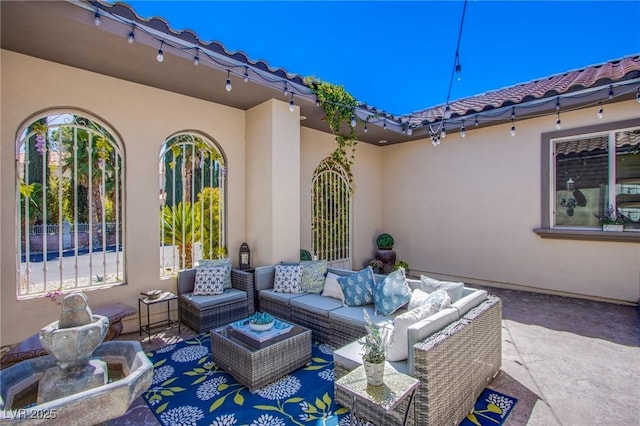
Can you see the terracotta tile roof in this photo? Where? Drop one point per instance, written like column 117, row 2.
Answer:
column 593, row 76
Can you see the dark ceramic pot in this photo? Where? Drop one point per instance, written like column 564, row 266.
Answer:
column 388, row 258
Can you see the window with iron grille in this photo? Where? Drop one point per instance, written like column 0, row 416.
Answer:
column 70, row 205
column 192, row 181
column 331, row 212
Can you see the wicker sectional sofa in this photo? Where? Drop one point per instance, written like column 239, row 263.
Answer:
column 454, row 353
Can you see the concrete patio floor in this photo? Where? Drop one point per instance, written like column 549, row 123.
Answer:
column 567, row 361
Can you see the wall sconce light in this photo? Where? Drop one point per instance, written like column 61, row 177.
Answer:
column 245, row 256
column 570, row 184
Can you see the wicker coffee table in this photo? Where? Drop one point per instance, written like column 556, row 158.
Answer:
column 255, row 367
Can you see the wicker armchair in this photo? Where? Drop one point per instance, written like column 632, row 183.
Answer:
column 202, row 313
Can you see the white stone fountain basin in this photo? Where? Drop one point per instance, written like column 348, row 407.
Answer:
column 89, row 407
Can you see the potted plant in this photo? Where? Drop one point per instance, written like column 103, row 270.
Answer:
column 612, row 220
column 376, row 265
column 385, row 252
column 261, row 321
column 374, row 347
column 401, row 264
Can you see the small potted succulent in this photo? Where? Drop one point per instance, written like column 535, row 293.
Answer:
column 376, row 265
column 374, row 349
column 261, row 321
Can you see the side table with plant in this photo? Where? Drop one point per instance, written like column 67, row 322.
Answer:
column 374, row 347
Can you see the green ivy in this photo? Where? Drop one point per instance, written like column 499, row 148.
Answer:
column 339, row 107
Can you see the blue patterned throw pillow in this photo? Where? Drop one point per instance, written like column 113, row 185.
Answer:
column 313, row 275
column 210, row 281
column 287, row 279
column 210, row 263
column 358, row 288
column 392, row 293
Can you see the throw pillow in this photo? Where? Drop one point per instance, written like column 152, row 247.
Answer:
column 332, row 288
column 439, row 298
column 287, row 279
column 398, row 349
column 418, row 298
column 454, row 289
column 209, row 281
column 313, row 272
column 358, row 288
column 209, row 263
column 392, row 293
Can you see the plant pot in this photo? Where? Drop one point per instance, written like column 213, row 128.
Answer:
column 612, row 227
column 374, row 372
column 388, row 258
column 261, row 327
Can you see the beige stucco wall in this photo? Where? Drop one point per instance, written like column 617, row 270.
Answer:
column 315, row 147
column 273, row 182
column 143, row 117
column 467, row 209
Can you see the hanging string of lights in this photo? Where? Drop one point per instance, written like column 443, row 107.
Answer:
column 406, row 124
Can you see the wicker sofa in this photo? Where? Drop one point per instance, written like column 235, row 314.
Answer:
column 454, row 353
column 202, row 313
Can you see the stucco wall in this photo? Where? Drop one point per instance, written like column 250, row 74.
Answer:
column 315, row 147
column 467, row 209
column 143, row 117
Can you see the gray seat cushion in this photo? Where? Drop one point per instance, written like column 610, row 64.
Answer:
column 355, row 315
column 350, row 358
column 279, row 297
column 203, row 302
column 316, row 304
column 469, row 300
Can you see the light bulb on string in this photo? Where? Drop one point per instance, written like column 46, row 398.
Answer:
column 365, row 127
column 132, row 37
column 558, row 104
column 196, row 59
column 317, row 102
column 610, row 92
column 409, row 130
column 463, row 131
column 447, row 112
column 513, row 122
column 228, row 85
column 384, row 125
column 443, row 132
column 97, row 20
column 353, row 120
column 513, row 130
column 292, row 105
column 638, row 95
column 246, row 74
column 558, row 123
column 286, row 89
column 600, row 110
column 160, row 56
column 476, row 121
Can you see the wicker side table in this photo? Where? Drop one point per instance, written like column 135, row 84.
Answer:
column 257, row 367
column 387, row 404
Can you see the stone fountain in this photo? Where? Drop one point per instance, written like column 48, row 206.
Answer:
column 73, row 384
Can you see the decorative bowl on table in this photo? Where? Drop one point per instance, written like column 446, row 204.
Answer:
column 261, row 321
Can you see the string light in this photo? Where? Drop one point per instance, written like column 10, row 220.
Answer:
column 317, row 102
column 353, row 120
column 132, row 37
column 97, row 20
column 476, row 121
column 160, row 56
column 286, row 89
column 558, row 103
column 246, row 74
column 463, row 131
column 610, row 92
column 513, row 121
column 228, row 85
column 600, row 110
column 409, row 130
column 558, row 123
column 292, row 105
column 447, row 112
column 443, row 132
column 384, row 126
column 196, row 59
column 638, row 95
column 365, row 127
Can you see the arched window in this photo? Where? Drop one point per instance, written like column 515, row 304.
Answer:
column 331, row 213
column 70, row 204
column 192, row 225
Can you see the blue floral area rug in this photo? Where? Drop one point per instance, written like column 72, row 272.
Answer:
column 188, row 388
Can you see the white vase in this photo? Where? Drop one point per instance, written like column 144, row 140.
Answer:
column 612, row 227
column 374, row 372
column 261, row 327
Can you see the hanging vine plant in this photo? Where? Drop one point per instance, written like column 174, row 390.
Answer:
column 339, row 107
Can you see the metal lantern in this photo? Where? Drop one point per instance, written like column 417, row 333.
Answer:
column 245, row 256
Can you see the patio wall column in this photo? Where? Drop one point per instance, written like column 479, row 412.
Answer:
column 273, row 183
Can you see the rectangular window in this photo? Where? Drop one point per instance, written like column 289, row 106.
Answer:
column 592, row 173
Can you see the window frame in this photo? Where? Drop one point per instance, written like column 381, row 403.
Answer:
column 546, row 230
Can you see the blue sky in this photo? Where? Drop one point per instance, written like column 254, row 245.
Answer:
column 398, row 56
